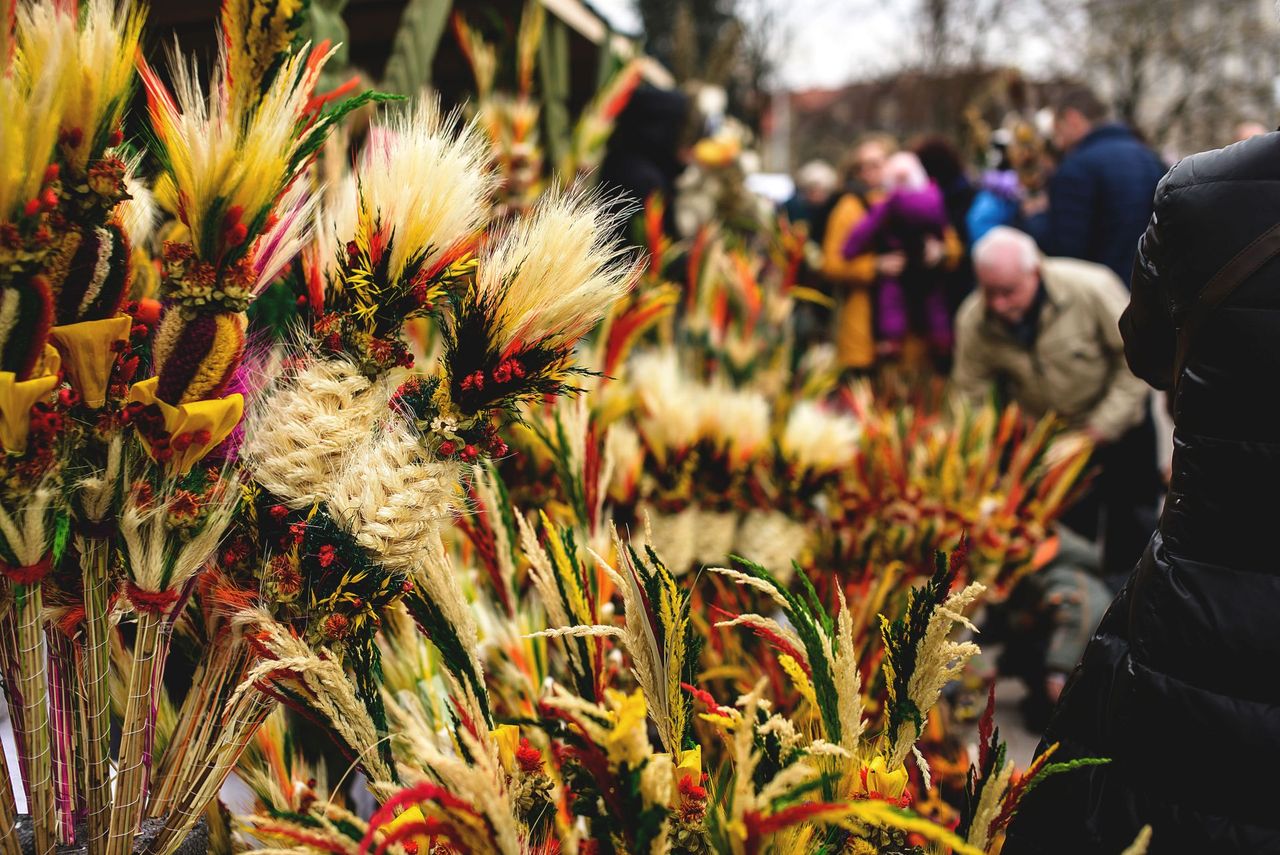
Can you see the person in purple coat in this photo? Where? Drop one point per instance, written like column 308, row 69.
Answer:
column 912, row 220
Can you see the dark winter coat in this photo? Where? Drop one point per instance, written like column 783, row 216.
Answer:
column 1180, row 685
column 1100, row 200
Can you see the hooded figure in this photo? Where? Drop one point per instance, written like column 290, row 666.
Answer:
column 1178, row 688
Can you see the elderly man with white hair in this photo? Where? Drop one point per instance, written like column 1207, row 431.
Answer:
column 1044, row 333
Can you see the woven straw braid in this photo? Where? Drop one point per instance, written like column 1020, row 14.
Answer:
column 393, row 498
column 295, row 444
column 773, row 540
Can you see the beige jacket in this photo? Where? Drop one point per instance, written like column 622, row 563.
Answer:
column 1076, row 368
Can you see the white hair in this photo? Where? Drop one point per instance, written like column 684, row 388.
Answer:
column 904, row 171
column 817, row 175
column 1003, row 239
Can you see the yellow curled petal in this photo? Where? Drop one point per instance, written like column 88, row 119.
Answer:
column 86, row 348
column 412, row 814
column 881, row 780
column 18, row 397
column 508, row 738
column 690, row 765
column 218, row 416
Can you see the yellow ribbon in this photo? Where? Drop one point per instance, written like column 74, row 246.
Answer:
column 17, row 397
column 86, row 349
column 218, row 416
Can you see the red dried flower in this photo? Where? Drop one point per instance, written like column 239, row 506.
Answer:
column 528, row 757
column 336, row 626
column 327, row 555
column 185, row 505
column 143, row 493
column 286, row 575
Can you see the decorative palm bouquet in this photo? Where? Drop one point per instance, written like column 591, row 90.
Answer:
column 115, row 500
column 337, row 528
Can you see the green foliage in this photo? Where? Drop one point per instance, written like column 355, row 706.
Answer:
column 812, row 625
column 1066, row 766
column 413, row 50
column 553, row 68
column 426, row 613
column 324, row 22
column 902, row 640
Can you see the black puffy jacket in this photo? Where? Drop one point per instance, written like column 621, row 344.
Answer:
column 1181, row 684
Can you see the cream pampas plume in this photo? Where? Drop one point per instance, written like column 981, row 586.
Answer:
column 734, row 422
column 554, row 274
column 424, row 179
column 670, row 416
column 399, row 235
column 817, row 440
column 920, row 657
column 139, row 214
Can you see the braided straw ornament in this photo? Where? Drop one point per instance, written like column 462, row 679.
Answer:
column 773, row 540
column 296, row 443
column 714, row 535
column 393, row 498
column 672, row 536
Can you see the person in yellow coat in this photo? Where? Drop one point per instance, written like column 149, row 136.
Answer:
column 852, row 279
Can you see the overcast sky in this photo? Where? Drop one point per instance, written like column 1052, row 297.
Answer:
column 828, row 45
column 831, row 43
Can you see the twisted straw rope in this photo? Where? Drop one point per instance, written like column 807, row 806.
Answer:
column 296, row 442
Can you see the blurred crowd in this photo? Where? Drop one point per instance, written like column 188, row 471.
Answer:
column 1008, row 277
column 1011, row 280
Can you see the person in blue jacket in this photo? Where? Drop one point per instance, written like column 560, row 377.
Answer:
column 1100, row 198
column 998, row 201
